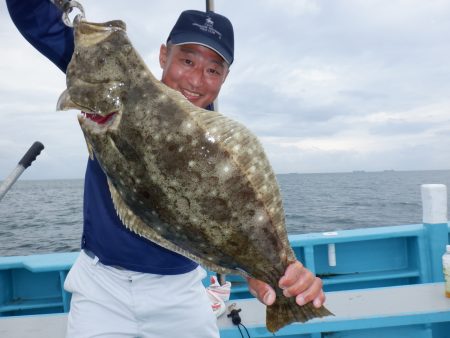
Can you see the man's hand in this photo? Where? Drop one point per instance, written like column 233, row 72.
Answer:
column 297, row 282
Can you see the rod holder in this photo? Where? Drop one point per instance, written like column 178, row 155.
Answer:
column 434, row 203
column 331, row 254
column 435, row 223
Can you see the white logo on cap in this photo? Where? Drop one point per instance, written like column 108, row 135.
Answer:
column 208, row 27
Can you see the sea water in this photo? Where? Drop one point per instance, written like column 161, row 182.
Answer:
column 46, row 216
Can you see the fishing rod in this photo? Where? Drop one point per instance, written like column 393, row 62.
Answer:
column 24, row 163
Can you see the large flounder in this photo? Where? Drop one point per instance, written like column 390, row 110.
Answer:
column 191, row 180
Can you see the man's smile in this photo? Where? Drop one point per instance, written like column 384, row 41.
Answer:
column 190, row 95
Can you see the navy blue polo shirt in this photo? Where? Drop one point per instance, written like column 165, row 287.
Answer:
column 39, row 21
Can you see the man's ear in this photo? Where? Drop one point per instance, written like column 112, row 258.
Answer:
column 163, row 55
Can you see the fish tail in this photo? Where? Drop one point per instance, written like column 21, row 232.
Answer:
column 286, row 311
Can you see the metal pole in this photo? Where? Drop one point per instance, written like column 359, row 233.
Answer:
column 210, row 5
column 24, row 163
column 210, row 8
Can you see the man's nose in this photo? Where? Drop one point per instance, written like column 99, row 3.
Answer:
column 196, row 77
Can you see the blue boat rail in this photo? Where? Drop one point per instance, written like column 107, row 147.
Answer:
column 391, row 256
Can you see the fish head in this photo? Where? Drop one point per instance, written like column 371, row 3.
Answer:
column 97, row 76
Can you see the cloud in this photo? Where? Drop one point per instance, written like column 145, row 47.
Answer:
column 326, row 85
column 295, row 9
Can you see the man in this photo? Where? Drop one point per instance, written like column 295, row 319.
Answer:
column 123, row 285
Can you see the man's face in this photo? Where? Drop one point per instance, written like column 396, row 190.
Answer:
column 195, row 71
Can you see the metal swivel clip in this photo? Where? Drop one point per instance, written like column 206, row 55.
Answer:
column 66, row 6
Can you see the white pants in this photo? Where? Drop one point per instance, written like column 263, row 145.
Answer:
column 113, row 303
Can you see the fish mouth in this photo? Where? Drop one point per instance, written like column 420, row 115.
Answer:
column 87, row 114
column 98, row 118
column 98, row 123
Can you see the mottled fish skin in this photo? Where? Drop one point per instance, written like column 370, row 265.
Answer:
column 191, row 180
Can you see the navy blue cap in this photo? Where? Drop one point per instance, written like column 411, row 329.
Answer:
column 209, row 29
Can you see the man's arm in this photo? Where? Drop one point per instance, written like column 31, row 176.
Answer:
column 39, row 21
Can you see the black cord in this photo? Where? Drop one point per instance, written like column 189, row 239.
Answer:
column 248, row 334
column 240, row 331
column 242, row 335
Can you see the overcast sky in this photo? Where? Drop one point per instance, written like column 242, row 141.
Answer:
column 328, row 86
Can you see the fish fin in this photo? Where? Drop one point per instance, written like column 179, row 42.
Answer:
column 135, row 224
column 65, row 102
column 286, row 311
column 88, row 144
column 90, row 150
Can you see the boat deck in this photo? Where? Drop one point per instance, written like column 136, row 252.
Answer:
column 357, row 310
column 402, row 311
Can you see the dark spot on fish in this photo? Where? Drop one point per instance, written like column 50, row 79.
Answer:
column 144, row 194
column 126, row 149
column 124, row 99
column 211, row 181
column 194, row 176
column 183, row 203
column 246, row 194
column 233, row 181
column 250, row 213
column 215, row 208
column 171, row 163
column 270, row 236
column 233, row 243
column 171, row 190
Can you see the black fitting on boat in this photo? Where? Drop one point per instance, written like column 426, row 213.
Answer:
column 235, row 318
